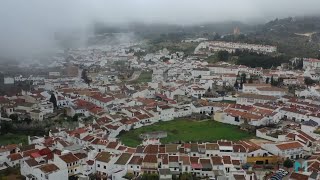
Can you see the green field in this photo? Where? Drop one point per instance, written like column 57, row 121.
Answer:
column 187, row 130
column 13, row 139
column 145, row 76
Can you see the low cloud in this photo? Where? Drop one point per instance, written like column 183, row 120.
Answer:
column 29, row 27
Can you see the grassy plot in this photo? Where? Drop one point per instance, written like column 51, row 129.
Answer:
column 187, row 130
column 145, row 76
column 13, row 139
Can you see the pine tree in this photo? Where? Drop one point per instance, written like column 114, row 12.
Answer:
column 272, row 81
column 236, row 84
column 244, row 78
column 267, row 80
column 54, row 101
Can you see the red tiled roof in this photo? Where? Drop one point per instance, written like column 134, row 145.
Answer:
column 48, row 168
column 226, row 159
column 239, row 148
column 69, row 158
column 15, row 156
column 306, row 135
column 29, row 152
column 112, row 145
column 149, row 158
column 297, row 176
column 151, row 149
column 88, row 138
column 136, row 160
column 216, row 160
column 90, row 162
column 289, row 145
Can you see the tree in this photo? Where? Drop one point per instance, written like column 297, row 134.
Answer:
column 6, row 127
column 267, row 80
column 217, row 36
column 223, row 55
column 129, row 176
column 27, row 120
column 241, row 85
column 252, row 59
column 75, row 117
column 236, row 85
column 84, row 76
column 186, row 176
column 288, row 163
column 250, row 80
column 299, row 64
column 292, row 89
column 280, row 81
column 146, row 176
column 308, row 81
column 53, row 99
column 14, row 117
column 244, row 77
column 209, row 89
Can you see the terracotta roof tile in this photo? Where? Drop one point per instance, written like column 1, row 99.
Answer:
column 149, row 158
column 15, row 156
column 136, row 160
column 289, row 145
column 48, row 168
column 69, row 158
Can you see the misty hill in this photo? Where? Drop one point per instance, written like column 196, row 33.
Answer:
column 293, row 25
column 295, row 37
column 158, row 28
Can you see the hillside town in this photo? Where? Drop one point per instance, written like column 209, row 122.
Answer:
column 90, row 97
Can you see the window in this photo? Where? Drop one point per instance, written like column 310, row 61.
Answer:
column 98, row 165
column 105, row 167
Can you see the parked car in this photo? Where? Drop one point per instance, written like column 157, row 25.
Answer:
column 282, row 172
column 306, row 157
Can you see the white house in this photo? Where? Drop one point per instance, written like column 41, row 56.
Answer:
column 103, row 163
column 311, row 63
column 250, row 99
column 49, row 172
column 271, row 91
column 199, row 72
column 134, row 165
column 36, row 115
column 69, row 162
column 289, row 149
column 252, row 88
column 166, row 112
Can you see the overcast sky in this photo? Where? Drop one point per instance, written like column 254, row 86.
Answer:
column 28, row 25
